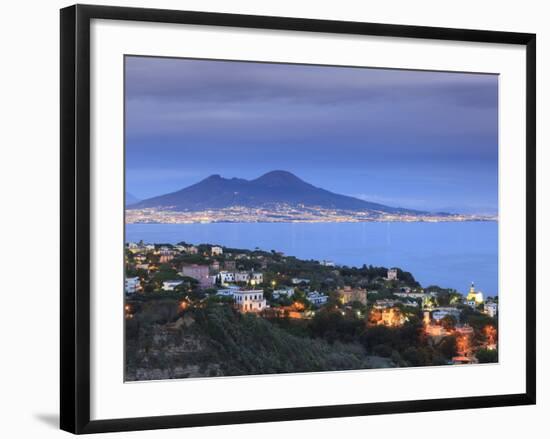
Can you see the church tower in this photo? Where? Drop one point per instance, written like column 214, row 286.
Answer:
column 474, row 295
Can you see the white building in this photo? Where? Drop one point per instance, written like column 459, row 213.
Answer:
column 258, row 278
column 250, row 300
column 327, row 263
column 439, row 313
column 299, row 280
column 133, row 247
column 287, row 292
column 166, row 251
column 132, row 285
column 384, row 303
column 491, row 309
column 410, row 303
column 390, row 303
column 166, row 255
column 226, row 277
column 169, row 285
column 392, row 274
column 216, row 251
column 242, row 276
column 228, row 291
column 316, row 298
column 471, row 303
column 411, row 295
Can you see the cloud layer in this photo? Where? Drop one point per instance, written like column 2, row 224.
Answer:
column 235, row 118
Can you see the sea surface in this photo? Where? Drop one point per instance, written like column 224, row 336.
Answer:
column 448, row 254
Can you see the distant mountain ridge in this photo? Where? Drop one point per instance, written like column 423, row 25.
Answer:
column 275, row 187
column 131, row 199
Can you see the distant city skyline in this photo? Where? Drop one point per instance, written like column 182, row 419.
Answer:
column 422, row 140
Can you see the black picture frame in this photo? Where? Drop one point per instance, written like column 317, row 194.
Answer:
column 75, row 217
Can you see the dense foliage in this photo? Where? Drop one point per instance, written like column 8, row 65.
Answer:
column 221, row 341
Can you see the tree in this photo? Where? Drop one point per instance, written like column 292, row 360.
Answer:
column 215, row 299
column 187, row 284
column 166, row 273
column 448, row 322
column 377, row 335
column 300, row 296
column 332, row 325
column 479, row 321
column 487, row 355
column 447, row 346
column 383, row 350
column 414, row 356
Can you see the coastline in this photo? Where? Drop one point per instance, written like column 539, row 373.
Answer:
column 445, row 253
column 152, row 216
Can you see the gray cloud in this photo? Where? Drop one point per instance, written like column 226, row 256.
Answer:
column 225, row 81
column 224, row 117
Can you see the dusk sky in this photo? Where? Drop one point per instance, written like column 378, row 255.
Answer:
column 424, row 140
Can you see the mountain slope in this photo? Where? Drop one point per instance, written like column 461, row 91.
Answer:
column 275, row 187
column 131, row 199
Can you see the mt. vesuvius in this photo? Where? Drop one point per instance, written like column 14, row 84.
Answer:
column 273, row 188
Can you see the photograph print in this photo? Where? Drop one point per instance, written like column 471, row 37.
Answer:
column 295, row 218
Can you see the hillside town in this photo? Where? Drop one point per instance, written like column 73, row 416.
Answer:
column 285, row 213
column 383, row 314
